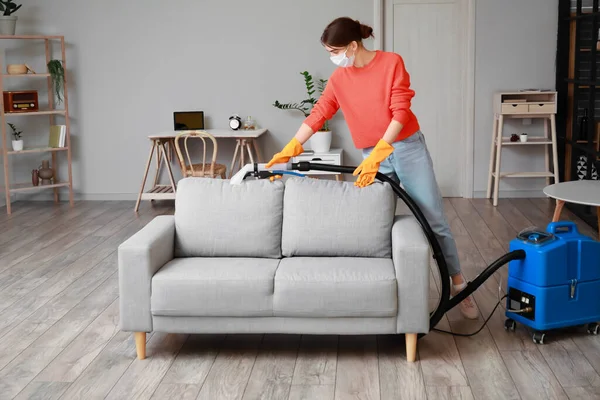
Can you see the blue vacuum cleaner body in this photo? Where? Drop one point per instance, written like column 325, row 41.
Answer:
column 557, row 284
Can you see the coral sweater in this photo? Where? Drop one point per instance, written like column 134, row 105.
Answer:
column 370, row 98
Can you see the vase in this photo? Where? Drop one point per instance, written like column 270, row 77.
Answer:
column 46, row 173
column 35, row 178
column 7, row 25
column 320, row 142
column 249, row 123
column 17, row 145
column 523, row 137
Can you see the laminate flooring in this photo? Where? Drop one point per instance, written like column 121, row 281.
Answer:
column 59, row 336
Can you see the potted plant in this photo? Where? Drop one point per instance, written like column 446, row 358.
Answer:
column 17, row 143
column 320, row 142
column 57, row 73
column 8, row 21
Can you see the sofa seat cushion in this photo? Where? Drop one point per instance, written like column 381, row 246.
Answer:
column 227, row 287
column 335, row 287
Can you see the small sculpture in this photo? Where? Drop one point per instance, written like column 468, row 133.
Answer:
column 35, row 178
column 46, row 173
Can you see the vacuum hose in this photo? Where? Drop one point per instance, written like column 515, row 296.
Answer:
column 446, row 303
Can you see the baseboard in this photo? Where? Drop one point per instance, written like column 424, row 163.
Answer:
column 479, row 194
column 78, row 197
column 511, row 194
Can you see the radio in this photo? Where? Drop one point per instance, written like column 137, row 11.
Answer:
column 21, row 101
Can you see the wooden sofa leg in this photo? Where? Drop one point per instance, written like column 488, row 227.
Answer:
column 140, row 344
column 411, row 347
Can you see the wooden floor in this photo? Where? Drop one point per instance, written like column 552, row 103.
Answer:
column 59, row 334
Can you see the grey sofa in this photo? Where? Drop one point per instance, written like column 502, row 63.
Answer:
column 303, row 256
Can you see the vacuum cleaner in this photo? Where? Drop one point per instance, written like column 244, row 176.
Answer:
column 554, row 276
column 557, row 285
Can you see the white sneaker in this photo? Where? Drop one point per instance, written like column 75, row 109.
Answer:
column 468, row 308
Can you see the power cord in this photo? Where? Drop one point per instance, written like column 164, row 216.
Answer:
column 482, row 326
column 523, row 310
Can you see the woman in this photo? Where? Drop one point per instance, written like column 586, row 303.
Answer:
column 373, row 90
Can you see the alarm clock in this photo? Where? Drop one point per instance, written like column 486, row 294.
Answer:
column 235, row 122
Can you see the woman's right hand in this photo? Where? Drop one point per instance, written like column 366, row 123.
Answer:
column 292, row 149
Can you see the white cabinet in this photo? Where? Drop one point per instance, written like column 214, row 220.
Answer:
column 332, row 157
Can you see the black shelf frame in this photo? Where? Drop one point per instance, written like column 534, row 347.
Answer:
column 580, row 159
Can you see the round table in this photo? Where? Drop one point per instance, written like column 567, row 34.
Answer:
column 586, row 192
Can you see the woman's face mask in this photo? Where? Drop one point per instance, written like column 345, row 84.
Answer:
column 342, row 60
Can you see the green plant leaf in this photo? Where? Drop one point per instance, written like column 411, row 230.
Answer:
column 57, row 73
column 8, row 7
column 322, row 84
column 303, row 106
column 15, row 132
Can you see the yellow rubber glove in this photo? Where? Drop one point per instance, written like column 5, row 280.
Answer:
column 292, row 149
column 370, row 165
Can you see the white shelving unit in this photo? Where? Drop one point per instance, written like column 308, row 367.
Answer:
column 521, row 105
column 6, row 149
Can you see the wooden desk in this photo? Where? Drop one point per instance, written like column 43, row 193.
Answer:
column 245, row 141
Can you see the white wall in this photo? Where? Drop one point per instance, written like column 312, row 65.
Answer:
column 133, row 63
column 515, row 49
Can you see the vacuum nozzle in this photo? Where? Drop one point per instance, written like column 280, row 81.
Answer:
column 256, row 168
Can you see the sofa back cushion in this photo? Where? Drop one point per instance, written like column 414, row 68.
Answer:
column 337, row 219
column 216, row 219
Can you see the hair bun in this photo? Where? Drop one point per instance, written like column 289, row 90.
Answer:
column 366, row 31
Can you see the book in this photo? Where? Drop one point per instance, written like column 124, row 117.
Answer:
column 58, row 135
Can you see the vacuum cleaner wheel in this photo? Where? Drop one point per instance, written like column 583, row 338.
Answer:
column 538, row 337
column 510, row 325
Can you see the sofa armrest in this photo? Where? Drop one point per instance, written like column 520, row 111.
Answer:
column 139, row 258
column 411, row 255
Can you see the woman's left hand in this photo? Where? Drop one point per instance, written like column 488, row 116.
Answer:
column 370, row 165
column 366, row 178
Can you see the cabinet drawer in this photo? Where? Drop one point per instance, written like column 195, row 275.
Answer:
column 514, row 108
column 542, row 108
column 332, row 159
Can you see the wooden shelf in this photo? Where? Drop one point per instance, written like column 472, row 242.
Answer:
column 583, row 15
column 64, row 179
column 522, row 105
column 57, row 37
column 525, row 175
column 41, row 112
column 25, row 75
column 508, row 101
column 530, row 141
column 37, row 150
column 159, row 192
column 25, row 187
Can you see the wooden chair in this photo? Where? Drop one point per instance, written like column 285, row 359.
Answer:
column 203, row 169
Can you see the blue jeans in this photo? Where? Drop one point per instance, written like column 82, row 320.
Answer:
column 410, row 164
